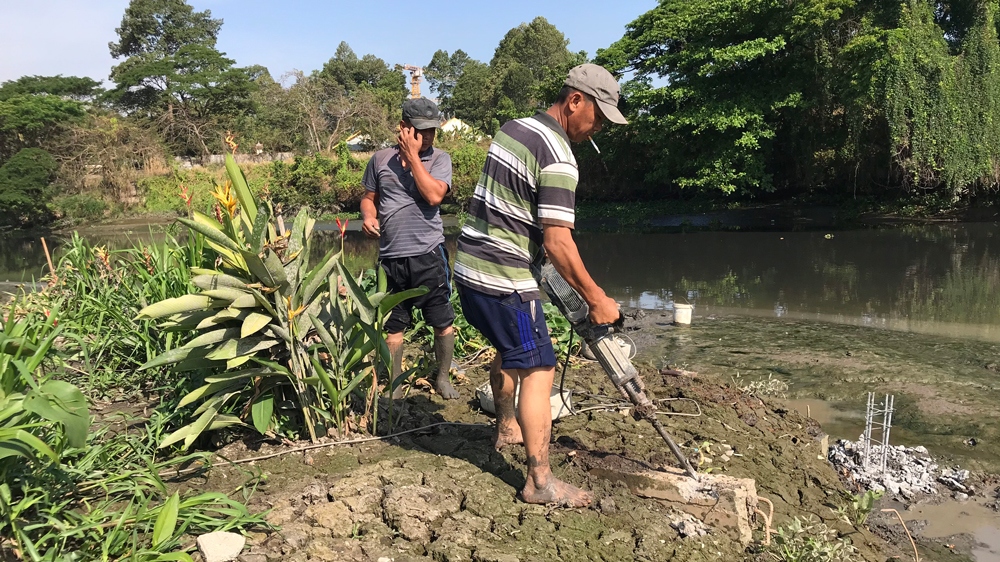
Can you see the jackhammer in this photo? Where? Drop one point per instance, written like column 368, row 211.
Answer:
column 609, row 354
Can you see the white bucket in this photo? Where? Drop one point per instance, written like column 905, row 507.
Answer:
column 559, row 409
column 682, row 314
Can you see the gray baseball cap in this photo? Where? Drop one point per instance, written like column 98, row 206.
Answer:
column 422, row 113
column 596, row 81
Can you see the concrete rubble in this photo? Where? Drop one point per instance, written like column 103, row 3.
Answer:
column 717, row 501
column 909, row 470
column 220, row 546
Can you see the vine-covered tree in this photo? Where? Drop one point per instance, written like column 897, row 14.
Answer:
column 811, row 95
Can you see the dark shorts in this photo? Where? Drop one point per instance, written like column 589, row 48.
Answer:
column 517, row 329
column 429, row 270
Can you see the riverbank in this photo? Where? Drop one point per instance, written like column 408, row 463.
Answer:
column 443, row 493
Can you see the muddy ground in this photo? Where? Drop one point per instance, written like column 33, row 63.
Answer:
column 444, row 494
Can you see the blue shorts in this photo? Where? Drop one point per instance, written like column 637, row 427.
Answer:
column 517, row 329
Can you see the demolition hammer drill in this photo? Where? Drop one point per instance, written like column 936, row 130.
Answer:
column 609, row 354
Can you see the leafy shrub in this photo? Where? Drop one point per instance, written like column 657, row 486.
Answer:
column 808, row 540
column 857, row 507
column 79, row 207
column 77, row 495
column 467, row 159
column 24, row 186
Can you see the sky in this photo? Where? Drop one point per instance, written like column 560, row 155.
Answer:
column 70, row 37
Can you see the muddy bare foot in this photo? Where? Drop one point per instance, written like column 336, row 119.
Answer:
column 507, row 435
column 556, row 492
column 443, row 387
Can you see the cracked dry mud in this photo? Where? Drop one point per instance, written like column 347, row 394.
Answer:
column 444, row 494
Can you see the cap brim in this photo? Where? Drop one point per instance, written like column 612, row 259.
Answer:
column 611, row 113
column 424, row 123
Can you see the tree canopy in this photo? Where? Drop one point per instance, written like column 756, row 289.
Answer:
column 527, row 69
column 443, row 72
column 173, row 74
column 74, row 87
column 811, row 95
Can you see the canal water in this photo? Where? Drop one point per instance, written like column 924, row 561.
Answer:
column 941, row 279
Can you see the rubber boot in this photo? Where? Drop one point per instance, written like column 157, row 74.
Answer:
column 397, row 369
column 444, row 350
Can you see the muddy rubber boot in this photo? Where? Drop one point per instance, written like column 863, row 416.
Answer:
column 397, row 368
column 444, row 350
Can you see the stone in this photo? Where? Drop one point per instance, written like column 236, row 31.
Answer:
column 221, row 546
column 717, row 500
column 334, row 516
column 961, row 497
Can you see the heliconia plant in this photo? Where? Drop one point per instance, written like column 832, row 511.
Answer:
column 263, row 317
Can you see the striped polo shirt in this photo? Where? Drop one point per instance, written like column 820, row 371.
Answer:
column 529, row 179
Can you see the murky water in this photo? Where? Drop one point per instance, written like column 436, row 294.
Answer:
column 940, row 279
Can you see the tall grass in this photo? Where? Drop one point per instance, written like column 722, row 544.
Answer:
column 70, row 494
column 100, row 292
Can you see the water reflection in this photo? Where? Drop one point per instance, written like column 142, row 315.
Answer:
column 942, row 279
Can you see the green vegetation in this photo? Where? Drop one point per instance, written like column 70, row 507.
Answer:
column 24, row 186
column 881, row 106
column 808, row 540
column 861, row 98
column 79, row 494
column 856, row 508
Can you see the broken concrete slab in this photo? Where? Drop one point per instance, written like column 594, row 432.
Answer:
column 220, row 546
column 721, row 502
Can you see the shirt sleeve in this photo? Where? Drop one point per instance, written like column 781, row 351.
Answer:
column 370, row 179
column 441, row 168
column 557, row 194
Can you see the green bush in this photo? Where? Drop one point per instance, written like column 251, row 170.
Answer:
column 809, row 540
column 24, row 186
column 467, row 159
column 79, row 207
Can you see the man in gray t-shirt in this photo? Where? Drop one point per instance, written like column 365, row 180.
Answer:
column 404, row 186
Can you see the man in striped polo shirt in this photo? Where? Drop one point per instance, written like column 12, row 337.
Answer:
column 404, row 187
column 523, row 209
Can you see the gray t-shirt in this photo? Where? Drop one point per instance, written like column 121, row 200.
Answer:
column 409, row 226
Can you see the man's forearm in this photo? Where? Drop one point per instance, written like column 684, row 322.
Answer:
column 564, row 255
column 431, row 189
column 368, row 209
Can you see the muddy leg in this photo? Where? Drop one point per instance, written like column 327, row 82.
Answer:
column 444, row 350
column 535, row 417
column 504, row 385
column 395, row 344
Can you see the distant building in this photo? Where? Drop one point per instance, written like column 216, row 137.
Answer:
column 359, row 142
column 456, row 125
